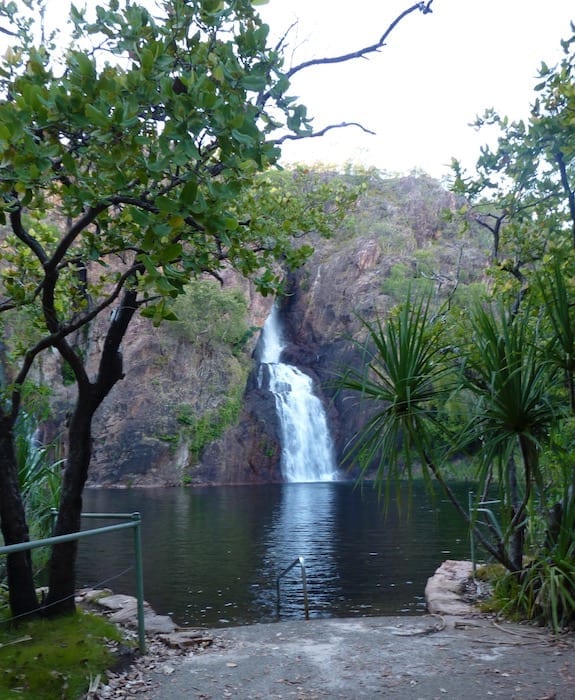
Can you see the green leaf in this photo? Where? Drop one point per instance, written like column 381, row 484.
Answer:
column 85, row 65
column 166, row 205
column 253, row 82
column 95, row 116
column 170, row 252
column 242, row 138
column 189, row 192
column 147, row 60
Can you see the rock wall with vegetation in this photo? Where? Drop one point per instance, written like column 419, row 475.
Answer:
column 189, row 410
column 404, row 234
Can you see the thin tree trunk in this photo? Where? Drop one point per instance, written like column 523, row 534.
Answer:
column 516, row 536
column 498, row 551
column 62, row 570
column 21, row 590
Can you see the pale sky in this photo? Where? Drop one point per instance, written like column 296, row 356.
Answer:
column 419, row 93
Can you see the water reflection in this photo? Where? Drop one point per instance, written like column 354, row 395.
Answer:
column 304, row 525
column 212, row 555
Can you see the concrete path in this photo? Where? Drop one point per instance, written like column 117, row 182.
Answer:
column 430, row 657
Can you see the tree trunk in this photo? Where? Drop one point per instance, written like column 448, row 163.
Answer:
column 21, row 590
column 62, row 571
column 517, row 534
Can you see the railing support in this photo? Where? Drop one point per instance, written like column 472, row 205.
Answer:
column 479, row 508
column 139, row 581
column 301, row 562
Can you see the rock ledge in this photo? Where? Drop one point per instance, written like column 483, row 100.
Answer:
column 448, row 591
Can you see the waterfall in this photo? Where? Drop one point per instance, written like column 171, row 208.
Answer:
column 307, row 449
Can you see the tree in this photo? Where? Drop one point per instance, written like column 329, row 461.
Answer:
column 130, row 165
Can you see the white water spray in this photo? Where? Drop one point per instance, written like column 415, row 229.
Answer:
column 307, row 449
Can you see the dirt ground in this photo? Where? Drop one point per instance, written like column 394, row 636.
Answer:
column 429, row 657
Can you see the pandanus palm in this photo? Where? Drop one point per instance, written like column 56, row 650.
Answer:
column 512, row 381
column 413, row 368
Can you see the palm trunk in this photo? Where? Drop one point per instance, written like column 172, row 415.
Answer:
column 517, row 534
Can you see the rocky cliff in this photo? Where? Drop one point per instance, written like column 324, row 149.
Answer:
column 190, row 410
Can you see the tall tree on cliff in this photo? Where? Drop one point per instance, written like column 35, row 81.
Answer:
column 129, row 162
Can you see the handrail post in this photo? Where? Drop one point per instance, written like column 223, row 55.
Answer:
column 295, row 562
column 473, row 510
column 304, row 585
column 471, row 537
column 137, row 518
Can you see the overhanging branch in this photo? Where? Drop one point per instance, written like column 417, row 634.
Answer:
column 321, row 132
column 424, row 7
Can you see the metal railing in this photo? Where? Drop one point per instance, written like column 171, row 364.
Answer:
column 135, row 523
column 301, row 562
column 475, row 508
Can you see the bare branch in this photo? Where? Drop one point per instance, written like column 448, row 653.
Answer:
column 28, row 240
column 321, row 132
column 83, row 222
column 424, row 7
column 3, row 30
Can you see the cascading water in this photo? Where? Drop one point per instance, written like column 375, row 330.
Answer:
column 307, row 449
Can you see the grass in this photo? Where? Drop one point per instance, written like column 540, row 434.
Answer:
column 54, row 659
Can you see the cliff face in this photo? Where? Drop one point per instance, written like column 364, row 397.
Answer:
column 172, row 419
column 397, row 238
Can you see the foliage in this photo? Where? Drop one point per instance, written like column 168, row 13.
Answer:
column 517, row 366
column 210, row 315
column 39, row 476
column 401, row 280
column 40, row 481
column 73, row 650
column 130, row 155
column 404, row 377
column 544, row 591
column 415, row 366
column 522, row 191
column 200, row 431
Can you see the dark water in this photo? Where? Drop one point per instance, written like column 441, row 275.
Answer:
column 211, row 556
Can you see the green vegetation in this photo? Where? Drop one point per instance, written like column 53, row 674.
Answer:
column 40, row 480
column 39, row 475
column 136, row 153
column 54, row 659
column 200, row 431
column 497, row 383
column 211, row 316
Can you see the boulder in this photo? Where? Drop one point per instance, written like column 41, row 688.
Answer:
column 444, row 590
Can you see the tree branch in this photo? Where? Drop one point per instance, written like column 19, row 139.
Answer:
column 28, row 240
column 424, row 7
column 74, row 231
column 321, row 132
column 568, row 191
column 3, row 30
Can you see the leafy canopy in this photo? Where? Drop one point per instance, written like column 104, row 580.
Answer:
column 129, row 154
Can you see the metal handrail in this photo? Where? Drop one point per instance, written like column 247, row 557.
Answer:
column 135, row 523
column 480, row 508
column 295, row 562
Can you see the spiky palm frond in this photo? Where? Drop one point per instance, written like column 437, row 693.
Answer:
column 511, row 380
column 406, row 379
